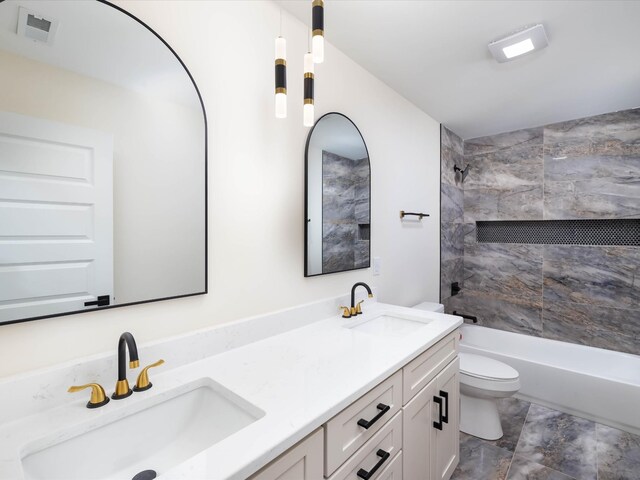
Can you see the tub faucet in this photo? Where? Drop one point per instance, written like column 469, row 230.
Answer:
column 122, row 385
column 356, row 309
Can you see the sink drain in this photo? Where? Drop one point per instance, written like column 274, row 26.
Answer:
column 145, row 475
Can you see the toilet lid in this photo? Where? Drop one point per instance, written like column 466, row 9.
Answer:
column 485, row 367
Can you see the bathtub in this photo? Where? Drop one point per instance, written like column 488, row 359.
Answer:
column 601, row 385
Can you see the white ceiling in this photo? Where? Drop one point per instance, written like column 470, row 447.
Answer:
column 435, row 54
column 98, row 41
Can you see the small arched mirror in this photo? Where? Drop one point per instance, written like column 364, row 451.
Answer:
column 338, row 197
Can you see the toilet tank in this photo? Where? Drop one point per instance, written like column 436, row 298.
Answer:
column 430, row 307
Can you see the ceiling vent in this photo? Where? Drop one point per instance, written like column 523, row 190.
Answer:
column 39, row 28
column 516, row 44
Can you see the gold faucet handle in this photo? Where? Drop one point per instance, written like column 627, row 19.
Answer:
column 143, row 382
column 358, row 307
column 346, row 312
column 98, row 396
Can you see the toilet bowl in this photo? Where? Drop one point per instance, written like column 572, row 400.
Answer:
column 483, row 381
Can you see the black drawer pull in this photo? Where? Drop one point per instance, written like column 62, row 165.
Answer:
column 101, row 301
column 367, row 424
column 362, row 473
column 438, row 424
column 445, row 415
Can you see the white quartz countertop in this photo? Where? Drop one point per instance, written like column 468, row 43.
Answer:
column 300, row 379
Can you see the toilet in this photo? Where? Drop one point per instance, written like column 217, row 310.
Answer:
column 483, row 381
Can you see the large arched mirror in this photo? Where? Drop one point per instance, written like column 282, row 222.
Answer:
column 338, row 197
column 102, row 162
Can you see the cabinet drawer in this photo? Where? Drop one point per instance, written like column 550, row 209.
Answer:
column 343, row 434
column 394, row 470
column 423, row 369
column 379, row 450
column 301, row 462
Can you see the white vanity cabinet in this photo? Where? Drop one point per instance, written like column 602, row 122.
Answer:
column 407, row 427
column 431, row 428
column 302, row 462
column 355, row 425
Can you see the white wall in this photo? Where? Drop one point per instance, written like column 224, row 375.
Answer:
column 256, row 205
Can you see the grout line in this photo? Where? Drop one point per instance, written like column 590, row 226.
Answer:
column 544, row 246
column 597, row 466
column 518, row 442
column 510, row 464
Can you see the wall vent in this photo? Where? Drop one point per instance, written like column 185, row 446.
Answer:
column 561, row 232
column 37, row 27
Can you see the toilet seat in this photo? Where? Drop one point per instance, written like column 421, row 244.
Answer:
column 486, row 368
column 487, row 377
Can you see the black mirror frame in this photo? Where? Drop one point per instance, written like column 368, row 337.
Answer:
column 206, row 192
column 306, row 198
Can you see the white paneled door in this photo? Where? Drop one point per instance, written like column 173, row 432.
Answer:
column 56, row 217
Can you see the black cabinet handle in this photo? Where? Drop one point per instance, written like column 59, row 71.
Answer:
column 367, row 424
column 438, row 424
column 362, row 473
column 445, row 416
column 102, row 301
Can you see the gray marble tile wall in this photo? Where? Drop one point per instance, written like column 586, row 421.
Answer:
column 580, row 169
column 592, row 167
column 451, row 213
column 345, row 206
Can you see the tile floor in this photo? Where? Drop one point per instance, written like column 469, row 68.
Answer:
column 543, row 444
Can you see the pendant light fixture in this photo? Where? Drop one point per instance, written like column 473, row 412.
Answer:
column 281, row 74
column 317, row 25
column 308, row 113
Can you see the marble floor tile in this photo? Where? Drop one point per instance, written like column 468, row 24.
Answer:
column 552, row 446
column 481, row 460
column 559, row 441
column 513, row 413
column 618, row 454
column 522, row 469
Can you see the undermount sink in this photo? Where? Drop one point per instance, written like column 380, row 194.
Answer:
column 154, row 438
column 386, row 324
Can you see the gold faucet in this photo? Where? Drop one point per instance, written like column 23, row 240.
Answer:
column 98, row 396
column 143, row 382
column 346, row 311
